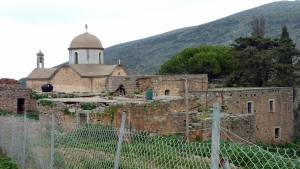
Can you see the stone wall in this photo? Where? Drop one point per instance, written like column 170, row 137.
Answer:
column 272, row 126
column 9, row 100
column 67, row 80
column 36, row 85
column 153, row 117
column 10, row 86
column 160, row 84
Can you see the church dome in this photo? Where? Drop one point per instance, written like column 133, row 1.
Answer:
column 86, row 41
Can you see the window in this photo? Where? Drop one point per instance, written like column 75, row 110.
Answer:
column 250, row 106
column 100, row 58
column 277, row 132
column 76, row 58
column 167, row 92
column 271, row 105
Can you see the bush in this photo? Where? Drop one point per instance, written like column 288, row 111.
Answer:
column 5, row 112
column 88, row 106
column 32, row 114
column 6, row 163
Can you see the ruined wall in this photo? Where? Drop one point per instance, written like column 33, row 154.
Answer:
column 158, row 83
column 10, row 86
column 9, row 100
column 236, row 101
column 243, row 126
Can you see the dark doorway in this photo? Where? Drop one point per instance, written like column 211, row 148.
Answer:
column 167, row 92
column 21, row 102
column 122, row 90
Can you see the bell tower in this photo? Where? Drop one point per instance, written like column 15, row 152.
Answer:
column 40, row 59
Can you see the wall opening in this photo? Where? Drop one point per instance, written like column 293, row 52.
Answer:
column 21, row 103
column 76, row 58
column 100, row 58
column 121, row 89
column 277, row 132
column 271, row 105
column 167, row 92
column 250, row 107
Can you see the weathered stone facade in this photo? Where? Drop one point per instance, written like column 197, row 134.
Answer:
column 153, row 117
column 272, row 108
column 171, row 85
column 16, row 100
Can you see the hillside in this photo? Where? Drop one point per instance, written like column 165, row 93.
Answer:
column 145, row 56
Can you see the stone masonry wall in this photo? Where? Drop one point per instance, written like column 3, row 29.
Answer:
column 242, row 126
column 235, row 101
column 9, row 100
column 158, row 83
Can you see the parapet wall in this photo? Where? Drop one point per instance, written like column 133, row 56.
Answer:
column 160, row 84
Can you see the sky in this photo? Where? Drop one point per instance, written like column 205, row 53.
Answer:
column 32, row 25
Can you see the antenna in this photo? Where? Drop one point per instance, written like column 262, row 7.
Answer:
column 86, row 28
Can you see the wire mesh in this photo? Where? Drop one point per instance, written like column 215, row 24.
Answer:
column 94, row 146
column 250, row 155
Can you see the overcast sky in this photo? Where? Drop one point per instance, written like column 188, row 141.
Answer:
column 33, row 25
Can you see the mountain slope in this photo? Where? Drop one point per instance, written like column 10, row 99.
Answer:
column 145, row 56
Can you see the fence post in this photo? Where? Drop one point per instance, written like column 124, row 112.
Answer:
column 120, row 140
column 215, row 146
column 2, row 136
column 225, row 163
column 12, row 136
column 24, row 142
column 52, row 142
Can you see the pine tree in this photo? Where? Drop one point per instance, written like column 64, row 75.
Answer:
column 287, row 62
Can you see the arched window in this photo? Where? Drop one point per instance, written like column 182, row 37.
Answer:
column 100, row 58
column 76, row 58
column 167, row 92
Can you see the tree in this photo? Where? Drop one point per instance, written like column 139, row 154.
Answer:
column 287, row 63
column 255, row 54
column 215, row 61
column 258, row 26
column 265, row 61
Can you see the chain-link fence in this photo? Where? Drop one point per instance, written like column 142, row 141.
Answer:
column 35, row 144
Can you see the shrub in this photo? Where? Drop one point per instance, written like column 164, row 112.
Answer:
column 5, row 112
column 88, row 106
column 32, row 114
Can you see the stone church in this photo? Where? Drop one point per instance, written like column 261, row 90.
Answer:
column 85, row 72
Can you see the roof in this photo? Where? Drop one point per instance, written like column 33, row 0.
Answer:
column 86, row 41
column 93, row 70
column 41, row 73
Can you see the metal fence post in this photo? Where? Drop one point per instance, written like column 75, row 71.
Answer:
column 12, row 136
column 215, row 146
column 120, row 140
column 24, row 142
column 52, row 143
column 2, row 136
